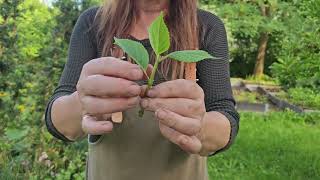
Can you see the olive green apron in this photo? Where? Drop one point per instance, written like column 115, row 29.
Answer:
column 136, row 150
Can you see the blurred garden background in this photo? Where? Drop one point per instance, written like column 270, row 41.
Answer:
column 275, row 67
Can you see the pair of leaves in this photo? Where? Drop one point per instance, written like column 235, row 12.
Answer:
column 160, row 41
column 159, row 38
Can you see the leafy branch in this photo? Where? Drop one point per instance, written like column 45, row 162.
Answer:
column 159, row 37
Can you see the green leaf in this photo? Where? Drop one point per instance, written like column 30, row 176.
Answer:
column 159, row 35
column 135, row 50
column 16, row 134
column 190, row 55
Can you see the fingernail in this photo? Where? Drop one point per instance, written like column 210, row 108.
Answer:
column 151, row 93
column 161, row 114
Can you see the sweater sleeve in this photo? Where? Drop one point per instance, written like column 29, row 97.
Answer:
column 214, row 75
column 82, row 48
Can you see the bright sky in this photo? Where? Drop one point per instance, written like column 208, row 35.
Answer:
column 48, row 2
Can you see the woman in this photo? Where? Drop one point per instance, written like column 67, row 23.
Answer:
column 184, row 122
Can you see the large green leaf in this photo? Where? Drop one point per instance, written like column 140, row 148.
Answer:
column 16, row 134
column 190, row 55
column 135, row 50
column 159, row 35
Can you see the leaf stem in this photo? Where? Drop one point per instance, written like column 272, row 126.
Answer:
column 151, row 80
column 154, row 70
column 145, row 73
column 163, row 58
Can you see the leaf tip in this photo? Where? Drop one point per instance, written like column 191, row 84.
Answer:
column 115, row 40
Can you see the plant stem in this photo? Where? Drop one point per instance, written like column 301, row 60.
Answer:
column 151, row 80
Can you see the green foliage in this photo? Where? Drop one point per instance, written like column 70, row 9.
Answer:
column 263, row 80
column 34, row 33
column 298, row 63
column 250, row 97
column 245, row 23
column 159, row 35
column 303, row 97
column 190, row 55
column 16, row 134
column 160, row 41
column 292, row 49
column 135, row 50
column 33, row 48
column 271, row 146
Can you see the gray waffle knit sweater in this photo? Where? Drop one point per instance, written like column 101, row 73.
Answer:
column 213, row 75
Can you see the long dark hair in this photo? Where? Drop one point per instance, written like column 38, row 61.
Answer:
column 116, row 18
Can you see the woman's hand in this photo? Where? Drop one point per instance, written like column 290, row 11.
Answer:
column 106, row 86
column 179, row 107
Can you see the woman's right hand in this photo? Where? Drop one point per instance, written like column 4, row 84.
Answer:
column 106, row 85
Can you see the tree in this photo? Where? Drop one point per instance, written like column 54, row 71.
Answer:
column 34, row 41
column 252, row 25
column 298, row 61
column 263, row 42
column 8, row 35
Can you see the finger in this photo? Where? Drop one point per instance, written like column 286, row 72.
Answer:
column 106, row 86
column 184, row 125
column 110, row 66
column 148, row 71
column 103, row 117
column 180, row 88
column 187, row 143
column 186, row 107
column 143, row 91
column 95, row 106
column 92, row 126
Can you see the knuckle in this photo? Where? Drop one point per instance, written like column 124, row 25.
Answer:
column 190, row 107
column 156, row 104
column 79, row 87
column 131, row 102
column 162, row 130
column 201, row 91
column 200, row 88
column 110, row 61
column 199, row 107
column 181, row 82
column 122, row 84
column 88, row 66
column 183, row 140
column 89, row 105
column 196, row 128
column 193, row 87
column 172, row 122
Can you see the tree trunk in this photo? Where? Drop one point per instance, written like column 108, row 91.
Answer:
column 264, row 36
column 259, row 67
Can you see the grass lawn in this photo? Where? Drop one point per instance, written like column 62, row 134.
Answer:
column 272, row 146
column 278, row 145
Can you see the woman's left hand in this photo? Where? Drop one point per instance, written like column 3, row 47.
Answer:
column 179, row 106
